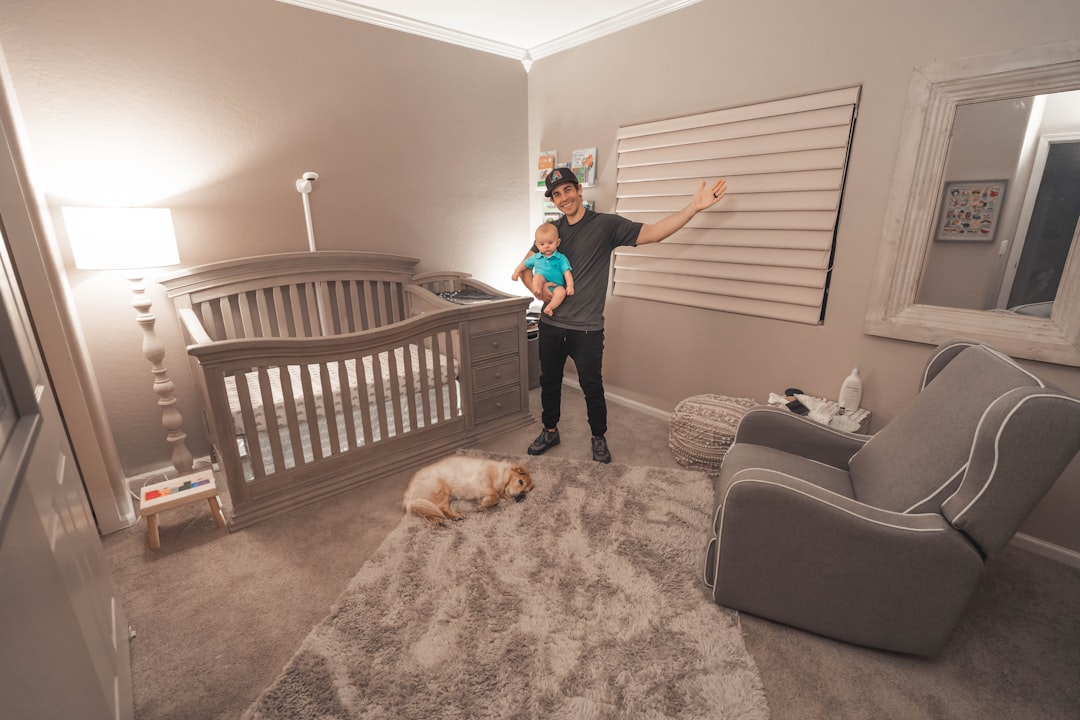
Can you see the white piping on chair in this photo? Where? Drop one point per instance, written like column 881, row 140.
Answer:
column 1006, row 358
column 997, row 446
column 735, row 481
column 936, row 355
column 939, row 488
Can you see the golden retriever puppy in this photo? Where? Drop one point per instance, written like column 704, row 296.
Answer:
column 463, row 478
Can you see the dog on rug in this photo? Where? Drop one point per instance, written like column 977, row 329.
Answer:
column 464, row 478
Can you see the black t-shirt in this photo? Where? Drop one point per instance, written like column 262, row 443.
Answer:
column 588, row 245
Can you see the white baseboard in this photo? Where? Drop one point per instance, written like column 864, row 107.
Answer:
column 1047, row 550
column 615, row 397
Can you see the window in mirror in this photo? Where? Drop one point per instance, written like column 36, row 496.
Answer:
column 1015, row 117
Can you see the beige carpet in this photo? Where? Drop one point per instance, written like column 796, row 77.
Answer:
column 576, row 603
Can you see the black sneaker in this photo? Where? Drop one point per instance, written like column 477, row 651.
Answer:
column 546, row 440
column 600, row 452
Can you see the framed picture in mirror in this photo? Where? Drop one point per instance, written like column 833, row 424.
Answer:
column 970, row 210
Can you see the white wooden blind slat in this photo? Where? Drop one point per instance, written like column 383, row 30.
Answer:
column 697, row 257
column 731, row 288
column 831, row 137
column 796, row 220
column 793, row 239
column 802, row 103
column 751, row 202
column 723, row 303
column 826, row 117
column 795, row 276
column 827, row 159
column 805, row 180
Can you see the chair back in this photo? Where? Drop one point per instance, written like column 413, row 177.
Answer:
column 982, row 443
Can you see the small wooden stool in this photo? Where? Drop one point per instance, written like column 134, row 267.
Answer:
column 174, row 493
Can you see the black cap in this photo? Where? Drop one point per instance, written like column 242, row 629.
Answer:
column 558, row 176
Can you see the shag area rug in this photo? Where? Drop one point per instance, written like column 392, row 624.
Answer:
column 583, row 601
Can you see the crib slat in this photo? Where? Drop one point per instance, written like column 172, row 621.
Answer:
column 331, row 411
column 291, row 417
column 250, row 431
column 346, row 391
column 436, row 352
column 263, row 305
column 249, row 320
column 410, row 384
column 396, row 302
column 221, row 330
column 356, row 322
column 395, row 389
column 369, row 305
column 237, row 317
column 312, row 417
column 276, row 309
column 451, row 374
column 338, row 311
column 380, row 395
column 270, row 417
column 425, row 379
column 365, row 400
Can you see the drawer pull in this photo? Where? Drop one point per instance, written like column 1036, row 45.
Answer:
column 494, row 343
column 498, row 406
column 498, row 376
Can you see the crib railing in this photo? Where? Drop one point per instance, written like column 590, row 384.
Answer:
column 307, row 309
column 294, row 405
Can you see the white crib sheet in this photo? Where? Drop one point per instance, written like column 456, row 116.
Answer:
column 431, row 369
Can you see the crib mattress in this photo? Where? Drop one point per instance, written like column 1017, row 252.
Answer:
column 424, row 378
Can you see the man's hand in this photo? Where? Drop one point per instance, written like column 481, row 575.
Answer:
column 706, row 197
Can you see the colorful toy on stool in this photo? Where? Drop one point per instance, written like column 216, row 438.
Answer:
column 174, row 493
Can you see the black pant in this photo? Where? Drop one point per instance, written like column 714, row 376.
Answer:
column 586, row 347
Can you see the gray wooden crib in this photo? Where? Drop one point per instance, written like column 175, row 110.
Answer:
column 320, row 371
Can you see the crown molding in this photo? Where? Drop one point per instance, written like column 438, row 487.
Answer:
column 633, row 17
column 354, row 11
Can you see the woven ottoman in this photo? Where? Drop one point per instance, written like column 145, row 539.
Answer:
column 703, row 428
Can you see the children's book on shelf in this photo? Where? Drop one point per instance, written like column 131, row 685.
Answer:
column 583, row 163
column 545, row 163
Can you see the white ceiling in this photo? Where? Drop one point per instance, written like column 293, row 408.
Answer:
column 523, row 29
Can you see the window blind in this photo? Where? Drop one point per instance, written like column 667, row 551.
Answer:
column 766, row 249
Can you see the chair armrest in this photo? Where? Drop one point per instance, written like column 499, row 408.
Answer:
column 783, row 430
column 793, row 552
column 193, row 327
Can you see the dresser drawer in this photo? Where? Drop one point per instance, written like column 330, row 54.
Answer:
column 498, row 404
column 493, row 343
column 497, row 374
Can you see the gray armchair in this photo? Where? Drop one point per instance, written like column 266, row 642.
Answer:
column 879, row 540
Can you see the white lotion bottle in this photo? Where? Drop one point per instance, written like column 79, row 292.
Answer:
column 851, row 392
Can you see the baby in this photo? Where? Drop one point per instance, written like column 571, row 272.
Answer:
column 551, row 269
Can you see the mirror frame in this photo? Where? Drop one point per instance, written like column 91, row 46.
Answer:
column 936, row 90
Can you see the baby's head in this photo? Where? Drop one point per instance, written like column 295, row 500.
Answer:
column 547, row 239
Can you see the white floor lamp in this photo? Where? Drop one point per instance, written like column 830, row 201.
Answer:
column 135, row 239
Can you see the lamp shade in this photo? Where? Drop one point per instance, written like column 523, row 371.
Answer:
column 121, row 238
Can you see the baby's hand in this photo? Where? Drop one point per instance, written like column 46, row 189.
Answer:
column 569, row 289
column 515, row 276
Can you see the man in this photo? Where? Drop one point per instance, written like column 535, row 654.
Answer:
column 576, row 329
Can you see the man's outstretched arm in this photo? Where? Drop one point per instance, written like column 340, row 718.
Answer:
column 705, row 197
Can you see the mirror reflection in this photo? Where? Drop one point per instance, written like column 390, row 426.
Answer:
column 1008, row 206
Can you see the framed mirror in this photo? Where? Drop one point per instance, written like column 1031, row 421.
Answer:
column 983, row 172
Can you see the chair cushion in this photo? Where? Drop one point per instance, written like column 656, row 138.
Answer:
column 927, row 445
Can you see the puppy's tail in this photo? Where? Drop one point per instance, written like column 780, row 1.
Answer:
column 425, row 509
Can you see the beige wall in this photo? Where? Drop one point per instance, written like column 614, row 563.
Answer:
column 715, row 55
column 215, row 108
